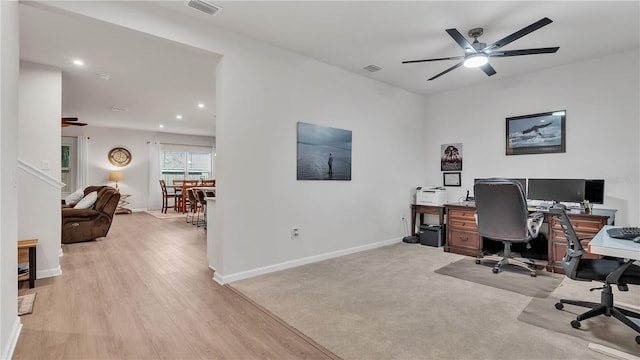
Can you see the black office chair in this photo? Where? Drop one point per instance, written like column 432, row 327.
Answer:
column 609, row 271
column 502, row 215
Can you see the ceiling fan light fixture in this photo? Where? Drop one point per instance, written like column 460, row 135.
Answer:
column 476, row 60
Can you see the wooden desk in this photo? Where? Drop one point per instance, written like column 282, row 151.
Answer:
column 463, row 237
column 425, row 209
column 27, row 253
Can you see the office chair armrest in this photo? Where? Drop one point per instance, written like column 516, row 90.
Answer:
column 534, row 222
column 614, row 277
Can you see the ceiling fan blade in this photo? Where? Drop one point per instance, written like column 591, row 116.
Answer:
column 436, row 59
column 446, row 71
column 455, row 34
column 488, row 69
column 68, row 121
column 518, row 34
column 548, row 50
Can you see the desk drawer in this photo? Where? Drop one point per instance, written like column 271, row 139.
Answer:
column 464, row 239
column 462, row 224
column 581, row 224
column 461, row 214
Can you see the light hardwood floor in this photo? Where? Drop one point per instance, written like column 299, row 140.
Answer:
column 145, row 292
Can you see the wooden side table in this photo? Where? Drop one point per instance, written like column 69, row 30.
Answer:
column 27, row 253
column 425, row 209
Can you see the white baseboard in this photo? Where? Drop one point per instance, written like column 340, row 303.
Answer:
column 13, row 339
column 217, row 278
column 41, row 274
column 614, row 353
column 224, row 279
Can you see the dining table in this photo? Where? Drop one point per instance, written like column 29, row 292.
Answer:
column 182, row 186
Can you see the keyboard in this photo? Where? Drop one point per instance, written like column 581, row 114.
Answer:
column 627, row 233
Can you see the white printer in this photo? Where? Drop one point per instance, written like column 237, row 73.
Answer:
column 431, row 195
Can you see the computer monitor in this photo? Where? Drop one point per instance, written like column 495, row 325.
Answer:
column 594, row 191
column 557, row 190
column 522, row 182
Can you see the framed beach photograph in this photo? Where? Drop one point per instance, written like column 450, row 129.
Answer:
column 451, row 179
column 536, row 134
column 324, row 153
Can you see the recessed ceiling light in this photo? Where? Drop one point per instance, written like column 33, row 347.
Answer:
column 200, row 105
column 121, row 109
column 178, row 116
column 205, row 6
column 161, row 126
column 372, row 68
column 104, row 76
column 78, row 62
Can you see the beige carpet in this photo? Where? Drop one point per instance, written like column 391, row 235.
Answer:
column 602, row 330
column 511, row 278
column 389, row 303
column 25, row 304
column 169, row 215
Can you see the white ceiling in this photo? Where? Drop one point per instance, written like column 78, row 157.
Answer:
column 154, row 79
column 349, row 35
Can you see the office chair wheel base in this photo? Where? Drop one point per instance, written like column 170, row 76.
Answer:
column 533, row 274
column 638, row 340
column 575, row 324
column 495, row 271
column 478, row 261
column 559, row 306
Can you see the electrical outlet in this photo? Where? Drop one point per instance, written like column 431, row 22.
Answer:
column 295, row 232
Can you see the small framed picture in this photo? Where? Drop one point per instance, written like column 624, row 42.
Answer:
column 451, row 179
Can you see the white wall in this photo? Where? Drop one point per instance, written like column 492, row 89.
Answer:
column 136, row 174
column 9, row 82
column 602, row 125
column 266, row 91
column 40, row 107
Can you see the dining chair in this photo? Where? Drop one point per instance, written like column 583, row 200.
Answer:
column 193, row 205
column 200, row 195
column 211, row 183
column 166, row 196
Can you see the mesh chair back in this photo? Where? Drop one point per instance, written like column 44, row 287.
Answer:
column 502, row 210
column 573, row 255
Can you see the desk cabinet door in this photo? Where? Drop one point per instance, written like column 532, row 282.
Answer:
column 586, row 226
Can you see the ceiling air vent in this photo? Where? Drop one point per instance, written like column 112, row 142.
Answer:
column 372, row 68
column 206, row 7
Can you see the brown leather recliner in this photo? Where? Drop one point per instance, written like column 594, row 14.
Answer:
column 88, row 224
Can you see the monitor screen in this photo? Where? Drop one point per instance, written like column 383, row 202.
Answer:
column 594, row 191
column 522, row 182
column 558, row 190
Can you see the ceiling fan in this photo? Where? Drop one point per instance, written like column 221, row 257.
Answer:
column 68, row 121
column 477, row 54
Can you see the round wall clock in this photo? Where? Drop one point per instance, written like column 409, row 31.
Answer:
column 119, row 157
